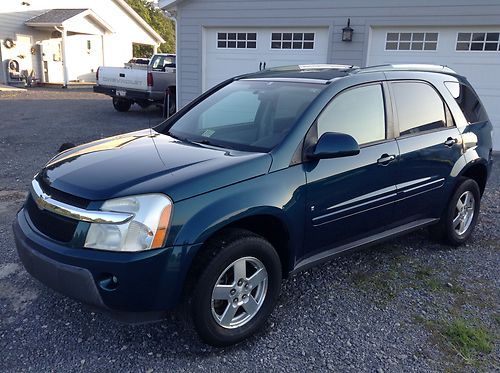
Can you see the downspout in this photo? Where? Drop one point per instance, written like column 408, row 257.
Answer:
column 103, row 58
column 64, row 34
column 173, row 17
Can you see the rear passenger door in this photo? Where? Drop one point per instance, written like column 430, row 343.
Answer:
column 429, row 146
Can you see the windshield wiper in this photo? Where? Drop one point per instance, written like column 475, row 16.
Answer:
column 208, row 142
column 180, row 138
column 200, row 142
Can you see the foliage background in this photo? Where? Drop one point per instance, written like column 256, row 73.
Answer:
column 153, row 15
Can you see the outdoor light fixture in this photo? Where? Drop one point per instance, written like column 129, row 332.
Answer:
column 347, row 31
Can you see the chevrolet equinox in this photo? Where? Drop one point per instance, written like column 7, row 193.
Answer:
column 260, row 177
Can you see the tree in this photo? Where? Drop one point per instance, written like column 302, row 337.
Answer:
column 154, row 16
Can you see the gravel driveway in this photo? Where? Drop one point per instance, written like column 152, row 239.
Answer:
column 393, row 308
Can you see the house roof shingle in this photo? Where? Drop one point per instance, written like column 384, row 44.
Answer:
column 56, row 16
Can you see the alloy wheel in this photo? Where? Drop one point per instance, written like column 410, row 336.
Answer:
column 239, row 292
column 464, row 212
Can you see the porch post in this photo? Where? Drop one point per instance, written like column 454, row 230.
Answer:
column 155, row 48
column 64, row 34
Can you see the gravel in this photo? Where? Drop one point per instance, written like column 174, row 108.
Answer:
column 379, row 310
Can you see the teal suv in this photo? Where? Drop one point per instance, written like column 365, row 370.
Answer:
column 260, row 177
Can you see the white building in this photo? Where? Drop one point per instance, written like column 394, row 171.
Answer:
column 67, row 40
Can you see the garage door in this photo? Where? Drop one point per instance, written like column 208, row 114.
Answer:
column 233, row 51
column 471, row 51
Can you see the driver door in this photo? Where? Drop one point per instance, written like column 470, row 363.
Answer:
column 351, row 198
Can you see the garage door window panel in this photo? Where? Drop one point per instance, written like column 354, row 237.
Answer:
column 415, row 41
column 359, row 112
column 237, row 40
column 419, row 108
column 478, row 41
column 295, row 40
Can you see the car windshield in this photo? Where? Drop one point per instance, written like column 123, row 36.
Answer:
column 248, row 115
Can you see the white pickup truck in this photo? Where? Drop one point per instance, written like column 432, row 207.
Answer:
column 140, row 84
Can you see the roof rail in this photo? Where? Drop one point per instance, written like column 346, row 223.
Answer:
column 407, row 67
column 319, row 66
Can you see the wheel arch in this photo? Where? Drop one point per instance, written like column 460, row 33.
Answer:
column 478, row 172
column 267, row 224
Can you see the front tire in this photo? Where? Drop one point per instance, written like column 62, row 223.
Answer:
column 237, row 289
column 461, row 214
column 121, row 104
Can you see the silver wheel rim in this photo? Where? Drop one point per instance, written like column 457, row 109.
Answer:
column 239, row 292
column 464, row 213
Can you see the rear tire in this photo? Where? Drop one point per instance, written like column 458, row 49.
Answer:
column 460, row 216
column 237, row 288
column 173, row 107
column 121, row 104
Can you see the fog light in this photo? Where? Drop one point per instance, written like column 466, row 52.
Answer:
column 108, row 282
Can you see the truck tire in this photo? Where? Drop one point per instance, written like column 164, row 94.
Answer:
column 173, row 107
column 121, row 104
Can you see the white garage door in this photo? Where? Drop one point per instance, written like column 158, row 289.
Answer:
column 471, row 51
column 233, row 51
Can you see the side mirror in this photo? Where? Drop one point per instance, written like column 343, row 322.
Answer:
column 334, row 145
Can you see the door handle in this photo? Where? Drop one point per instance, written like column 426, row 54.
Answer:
column 264, row 66
column 450, row 142
column 385, row 159
column 260, row 66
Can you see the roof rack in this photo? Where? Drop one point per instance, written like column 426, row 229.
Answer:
column 407, row 67
column 319, row 66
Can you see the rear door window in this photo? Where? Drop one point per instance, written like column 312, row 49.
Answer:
column 468, row 101
column 419, row 107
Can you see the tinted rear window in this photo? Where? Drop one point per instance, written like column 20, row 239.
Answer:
column 468, row 101
column 419, row 107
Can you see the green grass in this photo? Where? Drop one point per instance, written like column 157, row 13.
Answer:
column 460, row 337
column 380, row 281
column 426, row 278
column 466, row 339
column 496, row 317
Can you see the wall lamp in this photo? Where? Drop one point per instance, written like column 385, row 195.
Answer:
column 347, row 31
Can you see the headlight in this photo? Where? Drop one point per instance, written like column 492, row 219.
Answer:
column 146, row 230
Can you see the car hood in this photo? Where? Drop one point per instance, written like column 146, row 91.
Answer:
column 149, row 162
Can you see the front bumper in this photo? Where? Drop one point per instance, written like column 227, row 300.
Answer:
column 147, row 282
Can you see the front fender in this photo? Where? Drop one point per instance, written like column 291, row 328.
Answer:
column 279, row 194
